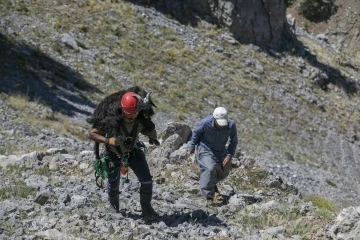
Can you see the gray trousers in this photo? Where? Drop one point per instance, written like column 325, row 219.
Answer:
column 211, row 170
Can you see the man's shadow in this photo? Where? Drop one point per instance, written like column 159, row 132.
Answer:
column 198, row 216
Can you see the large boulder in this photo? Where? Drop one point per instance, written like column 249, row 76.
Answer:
column 260, row 22
column 347, row 224
column 173, row 137
column 183, row 130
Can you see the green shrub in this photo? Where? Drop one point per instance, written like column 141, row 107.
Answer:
column 257, row 176
column 317, row 10
column 289, row 157
column 289, row 3
column 14, row 169
column 44, row 171
column 323, row 203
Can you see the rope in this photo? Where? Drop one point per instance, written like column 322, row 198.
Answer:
column 101, row 171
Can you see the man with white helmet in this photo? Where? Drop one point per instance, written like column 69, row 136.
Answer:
column 214, row 158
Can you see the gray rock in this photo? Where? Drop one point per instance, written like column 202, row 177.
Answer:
column 78, row 201
column 53, row 151
column 42, row 198
column 7, row 160
column 347, row 224
column 248, row 20
column 182, row 130
column 64, row 198
column 69, row 41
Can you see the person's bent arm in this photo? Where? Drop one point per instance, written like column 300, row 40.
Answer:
column 153, row 138
column 150, row 131
column 196, row 135
column 233, row 141
column 96, row 135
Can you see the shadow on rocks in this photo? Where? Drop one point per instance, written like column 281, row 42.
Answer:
column 333, row 75
column 28, row 71
column 198, row 216
column 182, row 11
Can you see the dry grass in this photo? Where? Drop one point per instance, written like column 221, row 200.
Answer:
column 17, row 188
column 18, row 102
column 326, row 207
column 293, row 222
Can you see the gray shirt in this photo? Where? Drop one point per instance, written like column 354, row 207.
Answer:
column 213, row 139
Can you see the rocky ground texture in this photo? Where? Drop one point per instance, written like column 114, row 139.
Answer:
column 57, row 198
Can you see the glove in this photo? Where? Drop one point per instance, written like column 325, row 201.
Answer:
column 113, row 141
column 154, row 141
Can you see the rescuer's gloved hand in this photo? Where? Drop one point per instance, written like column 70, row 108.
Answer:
column 154, row 141
column 113, row 141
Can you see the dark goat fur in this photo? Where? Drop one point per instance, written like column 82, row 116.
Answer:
column 108, row 114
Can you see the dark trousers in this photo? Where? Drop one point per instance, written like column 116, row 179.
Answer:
column 137, row 163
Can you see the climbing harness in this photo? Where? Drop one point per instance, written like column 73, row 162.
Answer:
column 105, row 167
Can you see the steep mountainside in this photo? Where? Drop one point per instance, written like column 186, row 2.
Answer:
column 297, row 111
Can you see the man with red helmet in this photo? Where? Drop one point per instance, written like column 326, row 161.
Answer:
column 117, row 122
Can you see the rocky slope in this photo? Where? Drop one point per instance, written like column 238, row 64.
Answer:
column 53, row 195
column 340, row 30
column 297, row 116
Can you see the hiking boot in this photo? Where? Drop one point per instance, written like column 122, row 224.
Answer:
column 148, row 212
column 114, row 204
column 218, row 198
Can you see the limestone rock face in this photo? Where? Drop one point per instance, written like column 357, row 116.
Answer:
column 251, row 21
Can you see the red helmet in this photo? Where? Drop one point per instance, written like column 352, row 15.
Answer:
column 129, row 103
